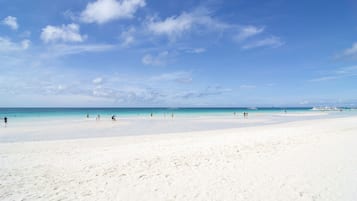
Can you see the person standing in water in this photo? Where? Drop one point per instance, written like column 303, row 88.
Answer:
column 245, row 115
column 5, row 121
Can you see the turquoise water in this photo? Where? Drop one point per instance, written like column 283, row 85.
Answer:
column 25, row 113
column 20, row 113
column 34, row 124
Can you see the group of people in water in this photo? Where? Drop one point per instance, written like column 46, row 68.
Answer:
column 245, row 114
column 114, row 118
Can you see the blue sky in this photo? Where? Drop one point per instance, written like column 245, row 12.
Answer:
column 178, row 53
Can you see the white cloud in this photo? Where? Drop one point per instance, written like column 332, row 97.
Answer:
column 25, row 44
column 102, row 11
column 127, row 37
column 172, row 26
column 61, row 87
column 351, row 51
column 272, row 41
column 64, row 33
column 70, row 15
column 158, row 60
column 62, row 49
column 202, row 22
column 209, row 91
column 247, row 32
column 97, row 80
column 11, row 22
column 338, row 74
column 7, row 45
column 175, row 26
column 181, row 77
column 324, row 78
column 304, row 102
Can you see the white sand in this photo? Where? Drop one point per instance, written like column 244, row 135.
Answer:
column 306, row 160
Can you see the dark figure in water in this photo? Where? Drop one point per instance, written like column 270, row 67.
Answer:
column 87, row 116
column 5, row 120
column 150, row 114
column 245, row 114
column 98, row 117
column 114, row 118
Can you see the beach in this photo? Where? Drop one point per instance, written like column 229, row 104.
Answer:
column 307, row 159
column 216, row 100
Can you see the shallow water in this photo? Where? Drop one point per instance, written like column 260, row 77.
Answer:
column 57, row 127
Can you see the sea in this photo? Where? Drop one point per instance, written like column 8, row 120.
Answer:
column 55, row 112
column 132, row 112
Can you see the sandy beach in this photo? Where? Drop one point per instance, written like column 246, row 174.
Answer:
column 203, row 100
column 302, row 160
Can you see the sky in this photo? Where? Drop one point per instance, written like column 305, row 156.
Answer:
column 145, row 53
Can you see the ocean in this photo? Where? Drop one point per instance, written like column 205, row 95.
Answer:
column 20, row 113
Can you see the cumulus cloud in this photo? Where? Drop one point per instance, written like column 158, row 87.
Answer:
column 176, row 26
column 64, row 33
column 7, row 45
column 202, row 21
column 11, row 22
column 156, row 60
column 102, row 11
column 272, row 41
column 247, row 32
column 172, row 26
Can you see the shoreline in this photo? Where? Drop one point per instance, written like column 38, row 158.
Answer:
column 72, row 128
column 197, row 134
